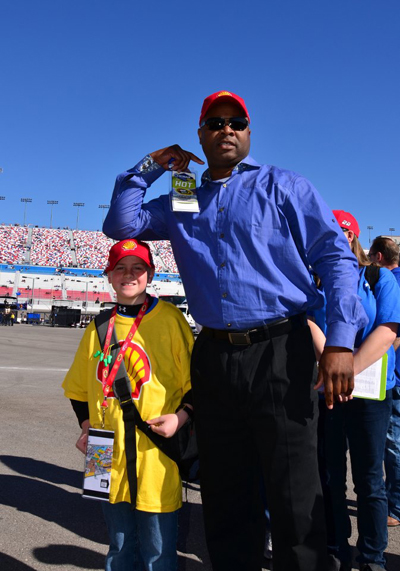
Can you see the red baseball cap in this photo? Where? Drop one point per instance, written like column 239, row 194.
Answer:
column 347, row 221
column 221, row 95
column 129, row 248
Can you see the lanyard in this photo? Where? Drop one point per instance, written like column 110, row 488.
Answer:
column 107, row 376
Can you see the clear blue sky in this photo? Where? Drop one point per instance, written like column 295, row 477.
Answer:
column 88, row 87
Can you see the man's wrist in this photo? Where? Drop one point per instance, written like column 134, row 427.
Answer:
column 341, row 334
column 336, row 349
column 147, row 165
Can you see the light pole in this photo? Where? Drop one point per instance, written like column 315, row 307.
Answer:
column 87, row 286
column 78, row 204
column 52, row 203
column 33, row 289
column 369, row 232
column 103, row 207
column 25, row 200
column 391, row 230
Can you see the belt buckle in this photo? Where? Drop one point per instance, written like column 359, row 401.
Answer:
column 239, row 338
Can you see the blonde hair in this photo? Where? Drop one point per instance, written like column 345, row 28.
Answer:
column 359, row 252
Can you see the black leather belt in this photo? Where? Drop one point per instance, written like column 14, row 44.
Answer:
column 263, row 333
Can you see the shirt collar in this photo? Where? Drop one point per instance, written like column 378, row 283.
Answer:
column 246, row 164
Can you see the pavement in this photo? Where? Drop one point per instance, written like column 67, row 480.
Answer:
column 45, row 525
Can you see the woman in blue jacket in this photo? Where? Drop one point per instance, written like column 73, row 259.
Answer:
column 360, row 425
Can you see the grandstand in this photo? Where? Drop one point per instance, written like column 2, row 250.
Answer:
column 44, row 267
column 69, row 248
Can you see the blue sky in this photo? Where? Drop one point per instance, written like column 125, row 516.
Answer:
column 88, row 87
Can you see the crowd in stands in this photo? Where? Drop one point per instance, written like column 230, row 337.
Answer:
column 13, row 244
column 162, row 248
column 50, row 247
column 91, row 248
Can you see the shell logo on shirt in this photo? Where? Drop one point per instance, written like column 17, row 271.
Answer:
column 221, row 93
column 138, row 369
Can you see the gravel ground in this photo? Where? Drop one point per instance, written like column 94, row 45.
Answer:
column 44, row 523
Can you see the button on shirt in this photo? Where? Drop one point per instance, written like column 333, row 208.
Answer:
column 244, row 258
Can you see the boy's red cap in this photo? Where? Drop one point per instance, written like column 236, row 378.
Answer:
column 211, row 99
column 347, row 221
column 129, row 248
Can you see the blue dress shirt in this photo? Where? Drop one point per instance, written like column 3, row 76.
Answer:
column 244, row 258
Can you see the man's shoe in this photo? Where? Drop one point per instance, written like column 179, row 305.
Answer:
column 268, row 546
column 392, row 522
column 371, row 567
column 334, row 564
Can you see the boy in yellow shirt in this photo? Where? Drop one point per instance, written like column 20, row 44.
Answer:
column 142, row 530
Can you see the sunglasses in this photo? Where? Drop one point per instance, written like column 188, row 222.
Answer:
column 218, row 123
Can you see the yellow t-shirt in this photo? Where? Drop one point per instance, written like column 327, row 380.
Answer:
column 158, row 366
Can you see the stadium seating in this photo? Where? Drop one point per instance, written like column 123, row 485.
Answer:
column 60, row 255
column 66, row 248
column 50, row 247
column 13, row 244
column 91, row 248
column 5, row 290
column 162, row 249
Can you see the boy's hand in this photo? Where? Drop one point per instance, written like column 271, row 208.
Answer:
column 174, row 157
column 81, row 443
column 165, row 425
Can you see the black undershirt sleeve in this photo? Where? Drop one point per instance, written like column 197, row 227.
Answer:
column 81, row 410
column 188, row 399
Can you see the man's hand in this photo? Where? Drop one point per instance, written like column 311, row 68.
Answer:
column 81, row 443
column 174, row 157
column 336, row 374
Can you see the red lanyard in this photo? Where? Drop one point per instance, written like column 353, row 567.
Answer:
column 108, row 379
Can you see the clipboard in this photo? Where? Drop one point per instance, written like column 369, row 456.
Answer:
column 371, row 383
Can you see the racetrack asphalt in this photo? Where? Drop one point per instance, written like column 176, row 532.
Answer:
column 45, row 525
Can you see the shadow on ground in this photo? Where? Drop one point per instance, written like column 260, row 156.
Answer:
column 8, row 563
column 43, row 470
column 36, row 491
column 60, row 555
column 55, row 505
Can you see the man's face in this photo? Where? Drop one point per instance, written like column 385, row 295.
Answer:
column 375, row 256
column 224, row 148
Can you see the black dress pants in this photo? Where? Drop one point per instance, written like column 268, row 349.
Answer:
column 256, row 416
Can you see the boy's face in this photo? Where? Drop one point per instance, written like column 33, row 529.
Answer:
column 129, row 279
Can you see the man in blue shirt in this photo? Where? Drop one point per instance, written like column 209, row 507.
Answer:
column 244, row 260
column 385, row 252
